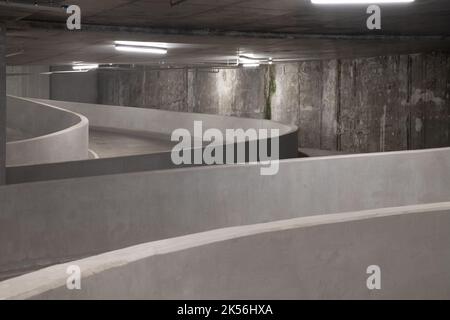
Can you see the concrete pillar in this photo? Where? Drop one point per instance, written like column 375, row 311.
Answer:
column 2, row 103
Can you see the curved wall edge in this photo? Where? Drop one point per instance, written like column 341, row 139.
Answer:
column 276, row 260
column 140, row 120
column 54, row 134
column 108, row 212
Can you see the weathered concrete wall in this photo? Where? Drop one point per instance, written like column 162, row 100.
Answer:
column 27, row 81
column 367, row 105
column 354, row 105
column 373, row 110
column 231, row 92
column 306, row 95
column 144, row 87
column 2, row 104
column 429, row 101
column 237, row 92
column 77, row 87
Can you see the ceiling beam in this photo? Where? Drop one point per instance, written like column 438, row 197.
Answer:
column 24, row 25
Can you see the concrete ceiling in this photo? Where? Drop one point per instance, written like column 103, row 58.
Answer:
column 214, row 31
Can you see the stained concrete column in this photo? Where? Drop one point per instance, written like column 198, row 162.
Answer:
column 2, row 102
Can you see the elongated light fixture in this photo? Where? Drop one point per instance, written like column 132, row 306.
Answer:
column 139, row 47
column 83, row 67
column 249, row 61
column 359, row 1
column 63, row 72
column 250, row 65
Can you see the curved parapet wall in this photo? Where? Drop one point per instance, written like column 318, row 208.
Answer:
column 152, row 122
column 48, row 134
column 110, row 212
column 323, row 257
column 162, row 122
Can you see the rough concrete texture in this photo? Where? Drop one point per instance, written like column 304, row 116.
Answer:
column 231, row 92
column 373, row 110
column 367, row 105
column 144, row 87
column 431, row 17
column 237, row 92
column 306, row 96
column 27, row 81
column 428, row 98
column 353, row 105
column 2, row 104
column 202, row 31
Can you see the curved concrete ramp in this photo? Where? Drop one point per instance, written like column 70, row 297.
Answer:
column 322, row 257
column 42, row 133
column 161, row 122
column 112, row 212
column 230, row 232
column 146, row 133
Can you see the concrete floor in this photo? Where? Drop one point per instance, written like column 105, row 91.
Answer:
column 107, row 144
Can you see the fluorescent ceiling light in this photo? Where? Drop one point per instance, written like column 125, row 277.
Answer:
column 142, row 44
column 245, row 60
column 61, row 72
column 140, row 49
column 250, row 65
column 84, row 66
column 359, row 1
column 250, row 61
column 249, row 58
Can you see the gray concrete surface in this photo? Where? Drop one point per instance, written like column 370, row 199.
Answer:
column 322, row 257
column 160, row 122
column 13, row 134
column 80, row 87
column 51, row 134
column 89, row 168
column 384, row 103
column 289, row 16
column 27, row 81
column 35, row 120
column 2, row 104
column 233, row 92
column 111, row 212
column 367, row 105
column 135, row 123
column 406, row 107
column 108, row 144
column 306, row 152
column 205, row 32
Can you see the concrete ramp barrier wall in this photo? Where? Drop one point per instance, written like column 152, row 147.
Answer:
column 161, row 122
column 49, row 134
column 151, row 122
column 85, row 216
column 322, row 257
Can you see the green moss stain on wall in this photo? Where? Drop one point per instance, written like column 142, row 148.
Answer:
column 271, row 88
